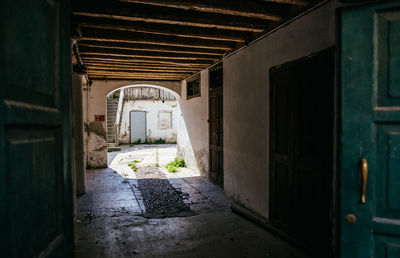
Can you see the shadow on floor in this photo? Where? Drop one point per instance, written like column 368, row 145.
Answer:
column 112, row 223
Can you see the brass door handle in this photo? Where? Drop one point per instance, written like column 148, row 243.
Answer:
column 364, row 177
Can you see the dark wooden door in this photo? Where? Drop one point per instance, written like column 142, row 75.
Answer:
column 35, row 171
column 370, row 138
column 216, row 126
column 301, row 143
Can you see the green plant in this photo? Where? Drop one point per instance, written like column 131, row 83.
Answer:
column 174, row 165
column 125, row 174
column 159, row 141
column 138, row 141
column 157, row 158
column 133, row 166
column 136, row 161
column 148, row 141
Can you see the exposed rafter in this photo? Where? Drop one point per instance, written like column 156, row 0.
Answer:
column 292, row 2
column 145, row 54
column 170, row 39
column 161, row 29
column 130, row 37
column 148, row 47
column 237, row 8
column 139, row 67
column 102, row 57
column 155, row 14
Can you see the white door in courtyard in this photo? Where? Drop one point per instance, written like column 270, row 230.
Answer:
column 138, row 126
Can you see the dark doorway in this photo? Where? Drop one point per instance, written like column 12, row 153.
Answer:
column 216, row 125
column 301, row 149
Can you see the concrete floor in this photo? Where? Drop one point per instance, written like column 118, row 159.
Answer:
column 112, row 222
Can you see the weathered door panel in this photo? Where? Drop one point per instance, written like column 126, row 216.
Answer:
column 138, row 126
column 301, row 150
column 35, row 173
column 370, row 83
column 216, row 126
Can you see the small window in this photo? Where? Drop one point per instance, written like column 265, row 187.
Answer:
column 216, row 77
column 164, row 120
column 193, row 87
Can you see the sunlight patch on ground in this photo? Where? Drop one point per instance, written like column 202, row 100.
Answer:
column 147, row 156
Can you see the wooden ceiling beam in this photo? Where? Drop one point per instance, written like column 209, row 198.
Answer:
column 113, row 77
column 146, row 47
column 145, row 63
column 105, row 72
column 100, row 57
column 166, row 15
column 136, row 73
column 149, row 67
column 140, row 64
column 143, row 38
column 126, row 77
column 91, row 69
column 250, row 9
column 148, row 54
column 160, row 29
column 300, row 3
column 141, row 75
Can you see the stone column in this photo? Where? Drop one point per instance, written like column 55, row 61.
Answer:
column 77, row 133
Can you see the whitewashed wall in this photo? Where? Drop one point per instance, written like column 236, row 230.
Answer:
column 152, row 109
column 246, row 106
column 193, row 128
column 246, row 102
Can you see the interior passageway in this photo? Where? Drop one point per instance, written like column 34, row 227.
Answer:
column 153, row 213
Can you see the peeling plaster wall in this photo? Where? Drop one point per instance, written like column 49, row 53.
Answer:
column 246, row 102
column 94, row 103
column 152, row 108
column 193, row 128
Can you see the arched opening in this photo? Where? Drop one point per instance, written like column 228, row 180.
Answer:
column 142, row 124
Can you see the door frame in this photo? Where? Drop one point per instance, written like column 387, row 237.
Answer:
column 217, row 91
column 145, row 124
column 334, row 158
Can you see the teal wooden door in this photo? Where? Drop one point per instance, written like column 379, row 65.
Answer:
column 369, row 45
column 35, row 172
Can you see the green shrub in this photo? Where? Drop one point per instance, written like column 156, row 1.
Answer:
column 175, row 164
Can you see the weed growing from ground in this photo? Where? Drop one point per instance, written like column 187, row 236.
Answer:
column 133, row 166
column 174, row 165
column 157, row 158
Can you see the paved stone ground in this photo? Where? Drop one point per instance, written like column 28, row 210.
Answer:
column 113, row 220
column 161, row 199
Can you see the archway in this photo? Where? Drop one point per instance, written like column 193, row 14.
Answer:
column 142, row 122
column 94, row 108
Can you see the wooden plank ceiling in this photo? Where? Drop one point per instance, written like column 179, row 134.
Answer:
column 170, row 39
